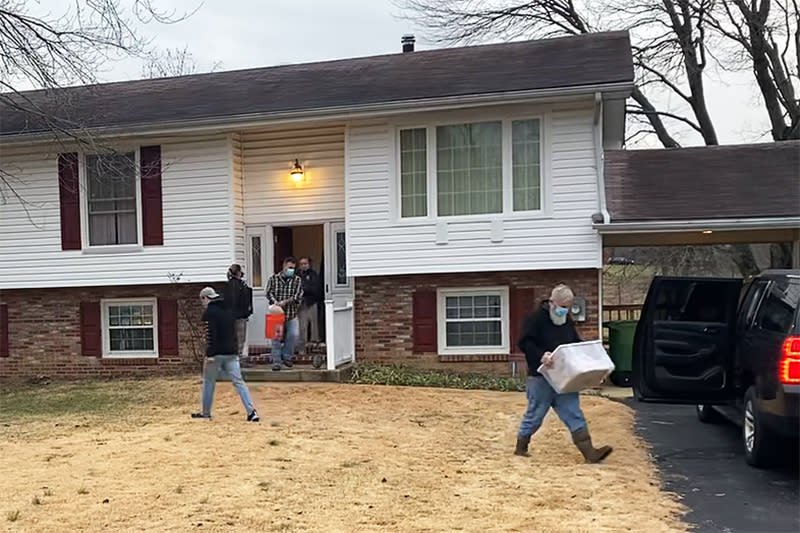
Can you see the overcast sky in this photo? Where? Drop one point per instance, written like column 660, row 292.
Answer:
column 256, row 33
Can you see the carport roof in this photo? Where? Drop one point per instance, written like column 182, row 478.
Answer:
column 756, row 181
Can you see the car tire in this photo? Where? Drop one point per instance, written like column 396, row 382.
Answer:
column 761, row 445
column 707, row 414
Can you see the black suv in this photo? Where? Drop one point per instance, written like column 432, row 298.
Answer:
column 727, row 343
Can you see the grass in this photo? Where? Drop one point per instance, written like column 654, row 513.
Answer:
column 83, row 490
column 56, row 400
column 375, row 374
column 36, row 501
column 48, row 492
column 12, row 516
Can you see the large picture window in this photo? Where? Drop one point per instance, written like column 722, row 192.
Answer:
column 472, row 161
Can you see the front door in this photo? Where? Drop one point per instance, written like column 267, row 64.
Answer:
column 339, row 291
column 683, row 347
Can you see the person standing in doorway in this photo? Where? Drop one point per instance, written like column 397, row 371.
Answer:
column 312, row 296
column 544, row 330
column 285, row 289
column 220, row 355
column 238, row 299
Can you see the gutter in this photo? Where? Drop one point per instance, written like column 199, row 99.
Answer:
column 340, row 113
column 723, row 224
column 599, row 156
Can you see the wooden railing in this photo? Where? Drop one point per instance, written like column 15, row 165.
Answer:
column 339, row 334
column 621, row 312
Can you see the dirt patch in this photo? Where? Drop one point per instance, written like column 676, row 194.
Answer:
column 326, row 458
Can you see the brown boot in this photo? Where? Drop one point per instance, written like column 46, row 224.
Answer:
column 522, row 446
column 583, row 441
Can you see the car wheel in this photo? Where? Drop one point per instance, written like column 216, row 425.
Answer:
column 707, row 414
column 761, row 445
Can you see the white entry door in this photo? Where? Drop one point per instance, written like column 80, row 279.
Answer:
column 339, row 296
column 258, row 254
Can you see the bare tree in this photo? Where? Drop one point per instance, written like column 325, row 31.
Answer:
column 49, row 51
column 173, row 62
column 673, row 43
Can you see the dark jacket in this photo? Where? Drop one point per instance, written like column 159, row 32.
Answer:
column 312, row 287
column 540, row 335
column 220, row 336
column 238, row 298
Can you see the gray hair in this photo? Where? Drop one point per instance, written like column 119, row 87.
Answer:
column 562, row 293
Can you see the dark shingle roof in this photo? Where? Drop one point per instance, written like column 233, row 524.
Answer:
column 711, row 182
column 595, row 59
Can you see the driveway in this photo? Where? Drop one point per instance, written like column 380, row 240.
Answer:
column 705, row 465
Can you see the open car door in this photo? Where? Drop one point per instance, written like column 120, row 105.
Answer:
column 683, row 346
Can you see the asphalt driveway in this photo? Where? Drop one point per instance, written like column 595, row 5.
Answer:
column 705, row 465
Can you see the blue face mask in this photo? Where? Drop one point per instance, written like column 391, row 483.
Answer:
column 289, row 272
column 560, row 311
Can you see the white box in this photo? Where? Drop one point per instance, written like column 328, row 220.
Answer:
column 578, row 366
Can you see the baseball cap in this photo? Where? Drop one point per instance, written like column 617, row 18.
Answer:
column 209, row 292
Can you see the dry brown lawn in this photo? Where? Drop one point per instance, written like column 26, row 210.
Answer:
column 324, row 458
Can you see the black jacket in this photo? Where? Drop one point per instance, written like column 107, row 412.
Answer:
column 238, row 298
column 220, row 337
column 540, row 335
column 312, row 287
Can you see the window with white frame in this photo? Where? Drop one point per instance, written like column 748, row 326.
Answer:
column 465, row 167
column 130, row 328
column 473, row 321
column 111, row 199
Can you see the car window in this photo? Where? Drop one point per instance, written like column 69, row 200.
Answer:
column 779, row 306
column 751, row 301
column 690, row 302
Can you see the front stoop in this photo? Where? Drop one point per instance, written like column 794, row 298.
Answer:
column 307, row 374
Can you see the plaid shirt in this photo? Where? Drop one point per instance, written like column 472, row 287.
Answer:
column 280, row 288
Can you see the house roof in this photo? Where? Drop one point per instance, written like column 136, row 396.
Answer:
column 586, row 60
column 705, row 183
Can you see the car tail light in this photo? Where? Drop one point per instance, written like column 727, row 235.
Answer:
column 790, row 361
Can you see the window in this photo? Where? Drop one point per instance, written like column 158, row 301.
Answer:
column 777, row 311
column 129, row 328
column 468, row 168
column 256, row 276
column 111, row 199
column 341, row 259
column 413, row 173
column 473, row 321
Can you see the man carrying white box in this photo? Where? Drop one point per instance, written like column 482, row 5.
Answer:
column 544, row 330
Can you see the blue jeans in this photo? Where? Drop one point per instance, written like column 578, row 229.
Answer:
column 541, row 397
column 225, row 365
column 282, row 351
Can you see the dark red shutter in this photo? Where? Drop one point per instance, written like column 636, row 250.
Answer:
column 424, row 321
column 521, row 303
column 91, row 329
column 152, row 211
column 167, row 327
column 69, row 201
column 4, row 348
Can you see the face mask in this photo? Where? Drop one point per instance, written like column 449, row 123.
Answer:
column 304, row 268
column 560, row 311
column 558, row 320
column 289, row 272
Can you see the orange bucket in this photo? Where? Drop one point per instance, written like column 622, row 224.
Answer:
column 275, row 324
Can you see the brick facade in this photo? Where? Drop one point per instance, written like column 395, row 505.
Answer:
column 45, row 333
column 383, row 311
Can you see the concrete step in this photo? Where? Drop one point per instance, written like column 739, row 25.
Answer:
column 297, row 373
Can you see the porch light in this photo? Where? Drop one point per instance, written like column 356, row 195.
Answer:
column 297, row 173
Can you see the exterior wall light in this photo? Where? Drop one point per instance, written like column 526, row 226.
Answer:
column 297, row 174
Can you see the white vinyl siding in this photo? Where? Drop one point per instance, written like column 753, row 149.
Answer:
column 270, row 195
column 473, row 321
column 196, row 216
column 130, row 328
column 558, row 236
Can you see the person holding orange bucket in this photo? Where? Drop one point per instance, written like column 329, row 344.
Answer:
column 284, row 292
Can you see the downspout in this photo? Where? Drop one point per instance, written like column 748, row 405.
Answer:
column 598, row 156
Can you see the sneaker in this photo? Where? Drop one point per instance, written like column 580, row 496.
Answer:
column 288, row 364
column 253, row 416
column 200, row 415
column 276, row 367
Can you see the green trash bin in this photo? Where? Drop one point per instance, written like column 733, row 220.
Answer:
column 620, row 349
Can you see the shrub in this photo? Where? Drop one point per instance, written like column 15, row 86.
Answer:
column 375, row 374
